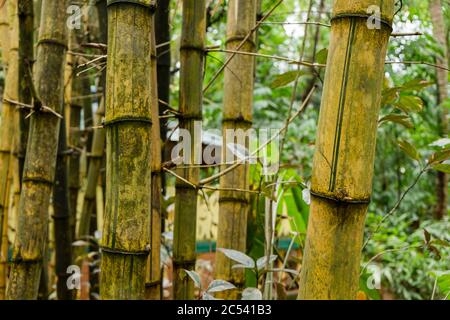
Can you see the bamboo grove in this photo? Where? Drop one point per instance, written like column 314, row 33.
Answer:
column 328, row 126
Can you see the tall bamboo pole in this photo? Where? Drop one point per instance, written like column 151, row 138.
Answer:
column 191, row 78
column 345, row 151
column 126, row 231
column 237, row 115
column 61, row 217
column 40, row 160
column 437, row 18
column 7, row 127
column 153, row 279
column 162, row 35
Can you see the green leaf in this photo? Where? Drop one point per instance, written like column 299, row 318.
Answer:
column 402, row 119
column 442, row 167
column 195, row 277
column 439, row 156
column 409, row 149
column 389, row 96
column 284, row 79
column 322, row 56
column 416, row 84
column 409, row 104
column 239, row 257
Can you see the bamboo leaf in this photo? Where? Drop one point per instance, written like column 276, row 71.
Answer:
column 322, row 56
column 251, row 294
column 239, row 257
column 416, row 84
column 219, row 285
column 409, row 104
column 444, row 167
column 402, row 119
column 261, row 262
column 439, row 156
column 195, row 277
column 284, row 79
column 409, row 149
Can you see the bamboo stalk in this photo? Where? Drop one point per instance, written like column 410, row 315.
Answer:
column 345, row 151
column 40, row 160
column 153, row 278
column 126, row 231
column 61, row 217
column 7, row 127
column 4, row 33
column 437, row 19
column 237, row 115
column 96, row 156
column 191, row 79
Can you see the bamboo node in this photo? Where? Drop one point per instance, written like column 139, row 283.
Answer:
column 340, row 198
column 127, row 119
column 126, row 252
column 149, row 4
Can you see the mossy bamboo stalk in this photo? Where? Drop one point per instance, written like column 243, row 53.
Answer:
column 40, row 160
column 61, row 217
column 437, row 18
column 126, row 231
column 237, row 115
column 153, row 280
column 191, row 79
column 344, row 158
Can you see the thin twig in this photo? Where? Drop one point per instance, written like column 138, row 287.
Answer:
column 396, row 206
column 240, row 161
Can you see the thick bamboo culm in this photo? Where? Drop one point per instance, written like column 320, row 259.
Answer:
column 128, row 122
column 237, row 115
column 61, row 217
column 153, row 278
column 7, row 127
column 439, row 33
column 40, row 161
column 191, row 80
column 345, row 150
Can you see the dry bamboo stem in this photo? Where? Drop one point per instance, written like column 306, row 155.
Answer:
column 345, row 151
column 191, row 79
column 238, row 109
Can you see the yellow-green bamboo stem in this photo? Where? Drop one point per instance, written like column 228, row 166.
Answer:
column 191, row 79
column 153, row 278
column 437, row 18
column 237, row 115
column 345, row 150
column 8, row 109
column 126, row 231
column 4, row 33
column 40, row 160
